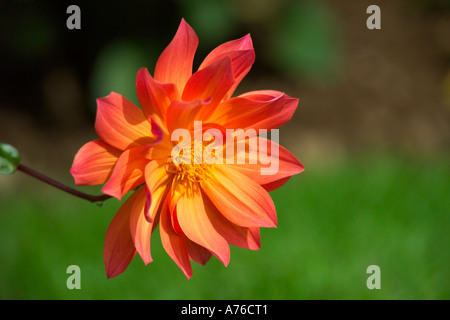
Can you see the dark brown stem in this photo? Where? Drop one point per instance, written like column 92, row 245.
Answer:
column 59, row 185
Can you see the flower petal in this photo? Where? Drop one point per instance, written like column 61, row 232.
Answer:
column 273, row 161
column 197, row 253
column 123, row 125
column 160, row 150
column 140, row 228
column 157, row 183
column 119, row 250
column 154, row 97
column 212, row 82
column 275, row 184
column 235, row 235
column 256, row 110
column 242, row 57
column 175, row 63
column 181, row 115
column 240, row 199
column 173, row 243
column 94, row 163
column 128, row 173
column 196, row 225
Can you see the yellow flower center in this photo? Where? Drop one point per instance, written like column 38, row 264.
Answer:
column 194, row 172
column 191, row 168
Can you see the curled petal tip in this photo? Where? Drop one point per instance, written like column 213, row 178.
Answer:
column 248, row 40
column 148, row 204
column 157, row 131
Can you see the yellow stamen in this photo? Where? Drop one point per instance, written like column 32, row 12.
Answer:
column 195, row 171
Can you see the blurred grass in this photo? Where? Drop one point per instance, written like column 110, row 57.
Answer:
column 334, row 222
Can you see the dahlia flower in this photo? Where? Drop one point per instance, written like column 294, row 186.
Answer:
column 201, row 206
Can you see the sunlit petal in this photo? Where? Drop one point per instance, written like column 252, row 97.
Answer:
column 128, row 173
column 257, row 110
column 240, row 199
column 154, row 97
column 121, row 124
column 175, row 63
column 242, row 57
column 196, row 225
column 210, row 83
column 94, row 163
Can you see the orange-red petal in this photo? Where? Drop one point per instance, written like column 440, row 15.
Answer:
column 119, row 250
column 128, row 173
column 261, row 172
column 256, row 110
column 275, row 184
column 94, row 163
column 157, row 183
column 240, row 199
column 154, row 96
column 175, row 63
column 235, row 235
column 197, row 253
column 212, row 82
column 160, row 150
column 140, row 228
column 181, row 114
column 173, row 243
column 123, row 125
column 196, row 225
column 242, row 57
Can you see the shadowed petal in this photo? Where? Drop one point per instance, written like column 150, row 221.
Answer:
column 140, row 227
column 197, row 253
column 94, row 163
column 175, row 63
column 275, row 184
column 173, row 243
column 119, row 250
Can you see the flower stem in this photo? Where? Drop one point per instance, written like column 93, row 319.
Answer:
column 59, row 185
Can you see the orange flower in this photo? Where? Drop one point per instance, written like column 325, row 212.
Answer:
column 201, row 207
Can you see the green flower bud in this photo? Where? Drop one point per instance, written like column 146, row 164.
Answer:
column 9, row 158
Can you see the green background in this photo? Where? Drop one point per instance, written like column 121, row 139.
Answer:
column 333, row 224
